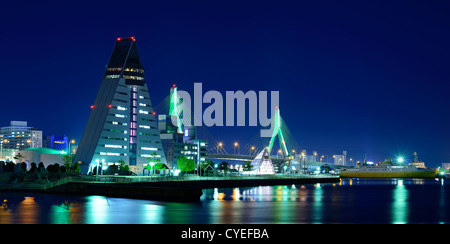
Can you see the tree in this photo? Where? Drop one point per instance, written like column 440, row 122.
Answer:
column 111, row 170
column 19, row 157
column 23, row 167
column 33, row 168
column 67, row 161
column 224, row 166
column 206, row 163
column 124, row 169
column 247, row 166
column 207, row 167
column 123, row 166
column 160, row 166
column 185, row 164
column 152, row 160
column 76, row 167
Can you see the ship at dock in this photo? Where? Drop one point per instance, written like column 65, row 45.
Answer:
column 388, row 169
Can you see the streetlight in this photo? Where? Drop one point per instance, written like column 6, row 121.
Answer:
column 71, row 142
column 68, row 145
column 252, row 149
column 98, row 162
column 236, row 145
column 103, row 162
column 1, row 145
column 151, row 165
column 218, row 146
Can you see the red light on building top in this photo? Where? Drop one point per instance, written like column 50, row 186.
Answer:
column 110, row 106
column 118, row 39
column 154, row 113
column 92, row 106
column 132, row 38
column 174, row 85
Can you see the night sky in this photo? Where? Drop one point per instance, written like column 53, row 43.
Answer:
column 361, row 76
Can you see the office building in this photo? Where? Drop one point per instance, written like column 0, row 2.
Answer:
column 177, row 145
column 122, row 124
column 59, row 143
column 18, row 135
column 340, row 159
column 446, row 166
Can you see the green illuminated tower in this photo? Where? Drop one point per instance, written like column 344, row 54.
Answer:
column 122, row 124
column 278, row 132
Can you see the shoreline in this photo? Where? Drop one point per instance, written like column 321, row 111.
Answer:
column 185, row 190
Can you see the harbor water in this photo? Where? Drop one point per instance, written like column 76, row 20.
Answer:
column 352, row 201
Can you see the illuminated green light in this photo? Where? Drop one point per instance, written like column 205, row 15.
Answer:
column 173, row 109
column 400, row 160
column 278, row 132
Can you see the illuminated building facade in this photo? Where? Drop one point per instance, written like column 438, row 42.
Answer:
column 122, row 124
column 177, row 145
column 20, row 136
column 262, row 164
column 60, row 143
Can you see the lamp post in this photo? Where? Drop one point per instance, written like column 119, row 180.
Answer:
column 71, row 142
column 251, row 150
column 151, row 165
column 1, row 146
column 68, row 145
column 103, row 162
column 98, row 162
column 218, row 146
column 236, row 145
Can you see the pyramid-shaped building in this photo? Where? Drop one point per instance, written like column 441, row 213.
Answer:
column 262, row 164
column 122, row 124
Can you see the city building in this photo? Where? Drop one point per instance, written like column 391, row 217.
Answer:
column 304, row 157
column 18, row 136
column 122, row 124
column 446, row 166
column 262, row 164
column 38, row 154
column 60, row 143
column 177, row 145
column 340, row 159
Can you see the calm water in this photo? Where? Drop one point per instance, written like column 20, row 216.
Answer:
column 350, row 201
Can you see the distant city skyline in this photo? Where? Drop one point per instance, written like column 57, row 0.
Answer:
column 352, row 76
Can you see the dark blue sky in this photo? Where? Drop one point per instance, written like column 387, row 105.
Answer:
column 353, row 75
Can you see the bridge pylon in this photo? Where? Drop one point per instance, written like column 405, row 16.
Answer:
column 277, row 131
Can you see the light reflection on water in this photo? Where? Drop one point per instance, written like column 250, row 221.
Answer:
column 350, row 201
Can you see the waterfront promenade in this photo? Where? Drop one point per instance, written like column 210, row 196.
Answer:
column 173, row 188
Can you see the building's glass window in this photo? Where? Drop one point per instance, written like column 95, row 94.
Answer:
column 132, row 77
column 114, row 69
